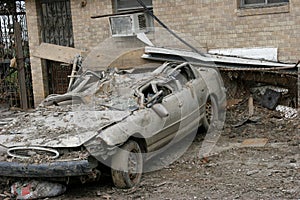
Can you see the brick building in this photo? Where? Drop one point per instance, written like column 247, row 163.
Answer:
column 212, row 23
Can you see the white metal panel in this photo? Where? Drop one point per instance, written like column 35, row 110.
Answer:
column 259, row 53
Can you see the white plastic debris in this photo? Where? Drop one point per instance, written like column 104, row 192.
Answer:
column 262, row 89
column 288, row 112
column 36, row 189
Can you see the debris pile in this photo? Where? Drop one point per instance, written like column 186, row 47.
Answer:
column 36, row 189
column 287, row 112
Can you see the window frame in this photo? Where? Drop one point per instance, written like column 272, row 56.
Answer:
column 116, row 9
column 265, row 4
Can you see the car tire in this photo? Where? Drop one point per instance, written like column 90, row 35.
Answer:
column 211, row 112
column 127, row 165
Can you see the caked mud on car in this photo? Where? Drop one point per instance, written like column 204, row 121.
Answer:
column 111, row 118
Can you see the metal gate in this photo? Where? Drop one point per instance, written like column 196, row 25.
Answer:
column 12, row 13
column 57, row 29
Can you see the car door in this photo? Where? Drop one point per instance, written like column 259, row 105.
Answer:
column 189, row 100
column 169, row 124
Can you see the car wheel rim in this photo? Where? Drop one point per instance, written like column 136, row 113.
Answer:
column 209, row 111
column 133, row 165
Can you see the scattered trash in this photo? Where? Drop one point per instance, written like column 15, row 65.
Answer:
column 5, row 195
column 233, row 102
column 270, row 99
column 250, row 106
column 246, row 121
column 106, row 196
column 250, row 173
column 261, row 90
column 287, row 112
column 205, row 160
column 254, row 142
column 36, row 189
column 160, row 184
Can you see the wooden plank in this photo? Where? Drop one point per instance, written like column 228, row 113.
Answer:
column 21, row 66
column 254, row 142
column 56, row 53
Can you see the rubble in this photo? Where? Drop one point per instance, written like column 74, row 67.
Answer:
column 270, row 99
column 36, row 189
column 287, row 112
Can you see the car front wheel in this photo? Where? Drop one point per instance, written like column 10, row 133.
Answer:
column 127, row 165
column 211, row 112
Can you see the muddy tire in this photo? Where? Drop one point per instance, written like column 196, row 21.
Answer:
column 211, row 112
column 127, row 165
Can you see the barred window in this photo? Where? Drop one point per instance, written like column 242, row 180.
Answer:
column 245, row 3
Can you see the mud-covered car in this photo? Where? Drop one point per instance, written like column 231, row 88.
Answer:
column 111, row 118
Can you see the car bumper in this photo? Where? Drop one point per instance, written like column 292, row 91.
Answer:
column 53, row 170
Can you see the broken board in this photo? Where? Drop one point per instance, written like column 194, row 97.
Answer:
column 56, row 53
column 254, row 142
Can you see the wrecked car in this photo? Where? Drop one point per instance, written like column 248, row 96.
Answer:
column 110, row 118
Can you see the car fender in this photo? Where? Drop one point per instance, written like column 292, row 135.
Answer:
column 142, row 123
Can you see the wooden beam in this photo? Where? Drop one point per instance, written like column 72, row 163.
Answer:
column 56, row 53
column 21, row 66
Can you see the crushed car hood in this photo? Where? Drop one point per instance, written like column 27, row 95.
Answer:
column 58, row 129
column 94, row 102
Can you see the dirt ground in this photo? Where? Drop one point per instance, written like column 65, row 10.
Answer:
column 237, row 170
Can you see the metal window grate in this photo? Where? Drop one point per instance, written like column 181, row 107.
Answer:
column 57, row 28
column 10, row 12
column 57, row 25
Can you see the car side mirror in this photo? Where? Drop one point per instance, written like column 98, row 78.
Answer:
column 160, row 110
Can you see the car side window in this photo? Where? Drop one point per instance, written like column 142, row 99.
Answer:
column 184, row 74
column 187, row 73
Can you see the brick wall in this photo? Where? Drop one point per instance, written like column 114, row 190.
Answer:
column 39, row 78
column 221, row 24
column 207, row 24
column 88, row 32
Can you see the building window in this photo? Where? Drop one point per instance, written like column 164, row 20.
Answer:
column 250, row 3
column 57, row 26
column 129, row 5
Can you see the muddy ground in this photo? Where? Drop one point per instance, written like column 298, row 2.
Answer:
column 237, row 170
